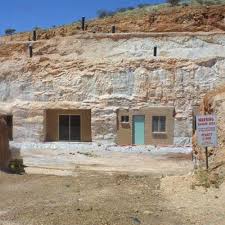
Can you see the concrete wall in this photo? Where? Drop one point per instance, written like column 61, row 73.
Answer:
column 125, row 130
column 52, row 125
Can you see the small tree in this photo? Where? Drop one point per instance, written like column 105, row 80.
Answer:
column 173, row 2
column 200, row 2
column 36, row 28
column 10, row 31
column 143, row 5
column 121, row 9
column 104, row 13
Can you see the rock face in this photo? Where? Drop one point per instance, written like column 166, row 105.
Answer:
column 214, row 102
column 105, row 73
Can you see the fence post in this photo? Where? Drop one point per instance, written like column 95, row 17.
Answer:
column 113, row 29
column 83, row 23
column 34, row 37
column 207, row 158
column 30, row 50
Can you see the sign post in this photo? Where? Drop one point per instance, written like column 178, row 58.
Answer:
column 207, row 158
column 206, row 133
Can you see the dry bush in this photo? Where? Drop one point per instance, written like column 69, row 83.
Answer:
column 173, row 2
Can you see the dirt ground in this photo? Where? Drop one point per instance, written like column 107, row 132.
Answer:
column 108, row 198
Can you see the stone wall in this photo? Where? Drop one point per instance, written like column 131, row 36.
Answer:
column 107, row 73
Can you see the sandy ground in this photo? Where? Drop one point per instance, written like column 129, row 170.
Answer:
column 103, row 197
column 200, row 206
column 114, row 162
column 61, row 162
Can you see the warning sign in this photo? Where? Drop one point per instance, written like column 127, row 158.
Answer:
column 206, row 130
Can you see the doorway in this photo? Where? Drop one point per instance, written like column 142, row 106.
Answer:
column 139, row 130
column 69, row 128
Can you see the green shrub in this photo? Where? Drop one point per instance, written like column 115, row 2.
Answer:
column 16, row 166
column 173, row 2
column 10, row 31
column 143, row 5
column 104, row 13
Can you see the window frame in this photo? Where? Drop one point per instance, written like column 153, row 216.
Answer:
column 69, row 128
column 123, row 120
column 159, row 125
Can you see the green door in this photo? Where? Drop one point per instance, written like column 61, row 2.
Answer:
column 139, row 130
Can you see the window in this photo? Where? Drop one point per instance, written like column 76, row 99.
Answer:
column 158, row 124
column 69, row 128
column 124, row 119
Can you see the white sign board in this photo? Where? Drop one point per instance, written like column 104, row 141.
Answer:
column 206, row 130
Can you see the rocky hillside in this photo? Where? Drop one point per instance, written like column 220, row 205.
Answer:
column 97, row 70
column 159, row 18
column 214, row 102
column 105, row 72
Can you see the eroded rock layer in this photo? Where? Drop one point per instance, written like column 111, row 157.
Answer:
column 105, row 73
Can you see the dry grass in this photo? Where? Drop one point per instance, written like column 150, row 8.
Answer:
column 208, row 2
column 157, row 18
column 207, row 178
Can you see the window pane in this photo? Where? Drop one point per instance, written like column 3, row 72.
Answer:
column 155, row 120
column 64, row 128
column 75, row 128
column 124, row 119
column 162, row 124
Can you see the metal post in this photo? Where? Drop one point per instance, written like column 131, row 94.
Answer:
column 155, row 51
column 113, row 29
column 83, row 23
column 30, row 50
column 207, row 158
column 206, row 152
column 34, row 38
